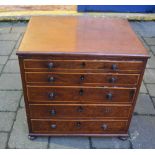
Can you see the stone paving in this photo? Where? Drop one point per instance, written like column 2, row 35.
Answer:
column 13, row 126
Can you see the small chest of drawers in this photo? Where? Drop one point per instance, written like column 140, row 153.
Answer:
column 80, row 75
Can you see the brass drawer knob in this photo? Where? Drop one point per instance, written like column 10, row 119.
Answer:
column 104, row 126
column 53, row 112
column 51, row 79
column 112, row 80
column 51, row 95
column 53, row 126
column 114, row 67
column 109, row 96
column 50, row 65
column 80, row 109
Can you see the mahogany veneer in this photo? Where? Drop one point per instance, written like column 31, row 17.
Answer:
column 80, row 75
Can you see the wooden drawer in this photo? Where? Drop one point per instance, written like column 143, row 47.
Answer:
column 81, row 78
column 78, row 111
column 99, row 94
column 108, row 65
column 61, row 126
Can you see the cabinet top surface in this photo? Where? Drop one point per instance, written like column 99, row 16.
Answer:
column 81, row 35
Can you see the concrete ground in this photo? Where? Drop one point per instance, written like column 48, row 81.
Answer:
column 13, row 126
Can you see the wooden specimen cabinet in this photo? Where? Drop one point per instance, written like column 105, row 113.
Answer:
column 81, row 75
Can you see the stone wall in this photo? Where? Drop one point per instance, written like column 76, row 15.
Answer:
column 11, row 8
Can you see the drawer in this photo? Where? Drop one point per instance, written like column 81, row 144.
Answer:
column 91, row 94
column 108, row 65
column 78, row 126
column 78, row 111
column 81, row 78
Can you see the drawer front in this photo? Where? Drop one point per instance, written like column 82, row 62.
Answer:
column 78, row 126
column 109, row 65
column 99, row 94
column 77, row 111
column 81, row 79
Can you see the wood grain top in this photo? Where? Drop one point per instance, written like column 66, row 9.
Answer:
column 81, row 35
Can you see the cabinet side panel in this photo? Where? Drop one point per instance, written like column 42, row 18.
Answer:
column 24, row 91
column 137, row 92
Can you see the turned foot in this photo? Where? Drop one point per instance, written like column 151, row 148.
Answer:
column 123, row 138
column 31, row 137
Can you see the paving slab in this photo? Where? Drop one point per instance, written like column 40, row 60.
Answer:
column 150, row 41
column 6, row 47
column 19, row 41
column 1, row 67
column 151, row 89
column 153, row 100
column 149, row 76
column 152, row 49
column 13, row 55
column 109, row 143
column 9, row 36
column 19, row 135
column 12, row 66
column 22, row 102
column 69, row 143
column 6, row 119
column 3, row 60
column 145, row 29
column 142, row 132
column 10, row 82
column 135, row 25
column 19, row 27
column 144, row 105
column 5, row 27
column 151, row 61
column 143, row 88
column 3, row 140
column 143, row 42
column 9, row 100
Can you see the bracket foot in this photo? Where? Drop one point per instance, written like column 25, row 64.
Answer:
column 123, row 138
column 32, row 137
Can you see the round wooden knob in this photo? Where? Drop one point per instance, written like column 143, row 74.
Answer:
column 80, row 109
column 53, row 126
column 114, row 67
column 81, row 92
column 109, row 96
column 78, row 125
column 53, row 112
column 51, row 95
column 51, row 79
column 83, row 64
column 50, row 65
column 104, row 126
column 112, row 80
column 82, row 77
